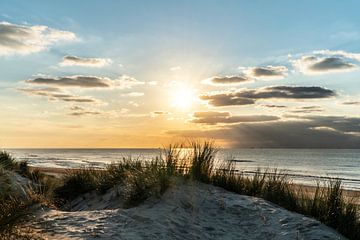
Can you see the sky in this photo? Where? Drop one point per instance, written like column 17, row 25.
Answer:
column 128, row 74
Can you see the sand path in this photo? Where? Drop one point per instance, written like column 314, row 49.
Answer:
column 186, row 211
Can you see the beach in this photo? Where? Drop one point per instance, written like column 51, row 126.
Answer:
column 173, row 198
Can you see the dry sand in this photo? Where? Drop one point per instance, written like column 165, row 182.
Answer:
column 186, row 211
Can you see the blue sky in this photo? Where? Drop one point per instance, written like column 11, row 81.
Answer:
column 170, row 45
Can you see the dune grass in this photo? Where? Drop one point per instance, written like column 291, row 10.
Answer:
column 139, row 180
column 143, row 179
column 7, row 161
column 15, row 208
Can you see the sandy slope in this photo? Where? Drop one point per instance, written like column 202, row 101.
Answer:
column 186, row 211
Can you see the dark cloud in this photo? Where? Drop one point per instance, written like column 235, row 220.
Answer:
column 249, row 96
column 74, row 81
column 84, row 62
column 86, row 82
column 226, row 99
column 326, row 61
column 268, row 72
column 331, row 63
column 342, row 124
column 24, row 39
column 54, row 94
column 213, row 118
column 76, row 108
column 306, row 132
column 351, row 103
column 274, row 106
column 227, row 80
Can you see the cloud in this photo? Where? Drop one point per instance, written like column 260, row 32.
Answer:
column 133, row 94
column 266, row 73
column 69, row 60
column 159, row 113
column 134, row 104
column 274, row 106
column 55, row 94
column 351, row 103
column 306, row 132
column 80, row 81
column 80, row 111
column 249, row 96
column 326, row 61
column 227, row 80
column 24, row 39
column 211, row 114
column 308, row 109
column 213, row 118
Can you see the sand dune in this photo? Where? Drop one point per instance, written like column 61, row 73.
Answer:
column 186, row 211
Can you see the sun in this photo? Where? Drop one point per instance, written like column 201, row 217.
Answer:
column 183, row 98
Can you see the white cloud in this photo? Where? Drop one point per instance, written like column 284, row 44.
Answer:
column 24, row 39
column 133, row 94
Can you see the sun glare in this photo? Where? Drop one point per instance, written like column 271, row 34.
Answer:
column 183, row 98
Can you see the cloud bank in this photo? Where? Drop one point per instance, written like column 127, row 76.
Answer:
column 250, row 96
column 306, row 132
column 24, row 39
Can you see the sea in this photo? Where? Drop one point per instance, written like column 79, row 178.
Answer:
column 305, row 166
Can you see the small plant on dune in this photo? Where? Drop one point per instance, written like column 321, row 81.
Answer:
column 228, row 178
column 173, row 157
column 7, row 161
column 15, row 210
column 329, row 205
column 278, row 188
column 76, row 183
column 203, row 160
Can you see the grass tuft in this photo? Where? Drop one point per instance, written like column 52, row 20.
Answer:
column 7, row 161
